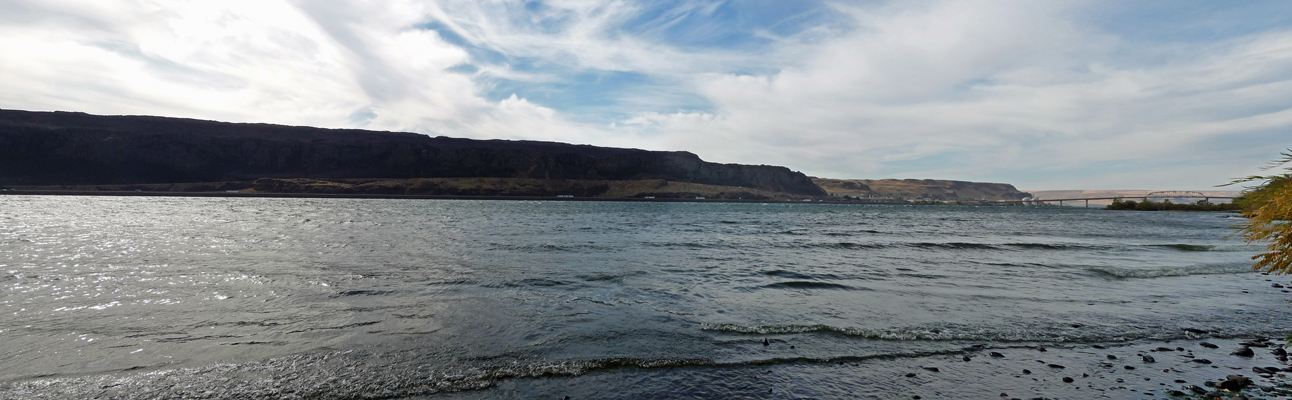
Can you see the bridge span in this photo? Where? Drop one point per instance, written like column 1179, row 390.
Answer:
column 1151, row 195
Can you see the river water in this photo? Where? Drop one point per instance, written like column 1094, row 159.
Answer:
column 155, row 297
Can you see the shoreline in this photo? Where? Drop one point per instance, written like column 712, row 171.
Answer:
column 418, row 197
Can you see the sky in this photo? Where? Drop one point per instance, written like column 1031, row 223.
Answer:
column 1090, row 94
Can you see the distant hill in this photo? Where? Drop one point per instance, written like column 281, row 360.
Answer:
column 66, row 148
column 914, row 189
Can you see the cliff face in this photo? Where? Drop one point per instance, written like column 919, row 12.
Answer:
column 912, row 189
column 58, row 148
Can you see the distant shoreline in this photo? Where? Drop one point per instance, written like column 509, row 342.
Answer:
column 412, row 196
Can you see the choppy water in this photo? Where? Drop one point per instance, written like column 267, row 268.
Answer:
column 339, row 298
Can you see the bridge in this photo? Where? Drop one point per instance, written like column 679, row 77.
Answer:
column 1172, row 194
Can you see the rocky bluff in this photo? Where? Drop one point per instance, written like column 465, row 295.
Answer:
column 61, row 148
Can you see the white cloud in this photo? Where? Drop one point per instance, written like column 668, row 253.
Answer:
column 1019, row 91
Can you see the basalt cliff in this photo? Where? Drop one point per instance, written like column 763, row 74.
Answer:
column 66, row 148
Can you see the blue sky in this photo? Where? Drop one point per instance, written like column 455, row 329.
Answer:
column 1043, row 95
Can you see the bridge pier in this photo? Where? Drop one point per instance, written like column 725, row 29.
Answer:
column 1087, row 203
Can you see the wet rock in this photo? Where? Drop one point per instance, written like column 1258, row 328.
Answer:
column 1198, row 331
column 1196, row 389
column 1255, row 343
column 1039, row 348
column 1278, row 351
column 996, row 354
column 1076, row 325
column 766, row 342
column 1275, row 285
column 1128, row 367
column 1208, row 345
column 1234, row 383
column 1085, row 375
column 1055, row 366
column 1098, row 347
column 967, row 359
column 1201, row 361
column 1164, row 349
column 910, row 375
column 1027, row 371
column 1181, row 381
column 1068, row 380
column 1244, row 352
column 1149, row 359
column 933, row 369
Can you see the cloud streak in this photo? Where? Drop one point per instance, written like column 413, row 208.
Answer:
column 1046, row 95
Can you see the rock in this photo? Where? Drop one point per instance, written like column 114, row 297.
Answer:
column 1255, row 343
column 1208, row 345
column 1244, row 352
column 1201, row 361
column 1076, row 325
column 1112, row 357
column 1128, row 367
column 1067, row 380
column 1198, row 331
column 1085, row 375
column 1039, row 348
column 910, row 375
column 1181, row 381
column 1235, row 383
column 766, row 342
column 1149, row 359
column 1164, row 349
column 1055, row 366
column 1027, row 371
column 1276, row 285
column 1196, row 389
column 967, row 359
column 1278, row 351
column 1098, row 346
column 933, row 369
column 996, row 354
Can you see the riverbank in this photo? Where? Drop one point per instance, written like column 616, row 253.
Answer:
column 1172, row 369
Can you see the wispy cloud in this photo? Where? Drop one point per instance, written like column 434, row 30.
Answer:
column 1041, row 94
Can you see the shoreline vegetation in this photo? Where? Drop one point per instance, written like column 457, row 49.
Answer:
column 1167, row 205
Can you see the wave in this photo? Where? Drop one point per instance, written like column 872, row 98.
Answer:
column 1125, row 273
column 809, row 285
column 967, row 334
